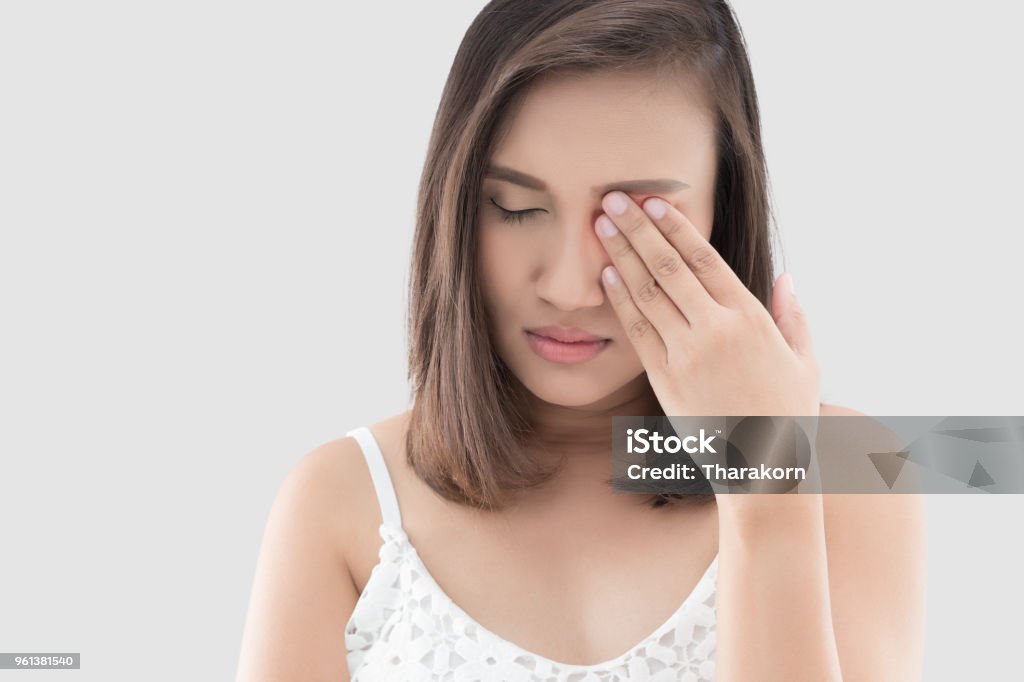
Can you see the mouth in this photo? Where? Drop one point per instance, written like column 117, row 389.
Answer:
column 566, row 346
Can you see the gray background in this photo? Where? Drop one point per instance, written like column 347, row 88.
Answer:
column 206, row 209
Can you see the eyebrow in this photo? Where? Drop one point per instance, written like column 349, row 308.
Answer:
column 652, row 186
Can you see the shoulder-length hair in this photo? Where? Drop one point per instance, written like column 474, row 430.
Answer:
column 467, row 431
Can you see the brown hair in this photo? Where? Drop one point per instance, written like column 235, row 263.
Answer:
column 468, row 430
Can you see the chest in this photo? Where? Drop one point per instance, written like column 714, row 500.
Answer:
column 578, row 588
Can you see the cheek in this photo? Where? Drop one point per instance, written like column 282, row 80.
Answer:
column 494, row 279
column 504, row 266
column 700, row 212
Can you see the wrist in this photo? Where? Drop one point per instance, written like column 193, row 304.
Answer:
column 765, row 514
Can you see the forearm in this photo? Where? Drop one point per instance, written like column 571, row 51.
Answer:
column 773, row 606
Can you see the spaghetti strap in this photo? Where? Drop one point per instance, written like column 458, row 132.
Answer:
column 381, row 478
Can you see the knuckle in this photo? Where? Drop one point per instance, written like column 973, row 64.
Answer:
column 668, row 265
column 639, row 328
column 683, row 356
column 798, row 314
column 671, row 228
column 718, row 333
column 757, row 316
column 633, row 222
column 720, row 330
column 624, row 249
column 704, row 260
column 648, row 291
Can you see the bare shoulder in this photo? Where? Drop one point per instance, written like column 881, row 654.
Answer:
column 303, row 592
column 884, row 522
column 334, row 482
column 905, row 513
column 877, row 564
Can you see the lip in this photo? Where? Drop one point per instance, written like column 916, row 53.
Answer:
column 566, row 334
column 565, row 345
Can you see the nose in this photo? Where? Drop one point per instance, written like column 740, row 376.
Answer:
column 570, row 275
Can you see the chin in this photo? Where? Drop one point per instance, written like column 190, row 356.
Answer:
column 577, row 391
column 568, row 396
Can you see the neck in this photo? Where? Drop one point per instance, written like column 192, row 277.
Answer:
column 580, row 439
column 586, row 430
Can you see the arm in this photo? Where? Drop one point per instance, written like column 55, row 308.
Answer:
column 303, row 593
column 859, row 615
column 805, row 584
column 877, row 555
column 877, row 571
column 773, row 606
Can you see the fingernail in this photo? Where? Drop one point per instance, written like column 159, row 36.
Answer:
column 606, row 227
column 615, row 203
column 792, row 287
column 655, row 208
column 610, row 275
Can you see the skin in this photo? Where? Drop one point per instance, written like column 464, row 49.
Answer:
column 846, row 571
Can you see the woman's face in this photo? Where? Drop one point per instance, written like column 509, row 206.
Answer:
column 569, row 142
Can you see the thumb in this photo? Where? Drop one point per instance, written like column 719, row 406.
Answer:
column 789, row 317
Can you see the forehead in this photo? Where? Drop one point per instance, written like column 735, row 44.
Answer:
column 590, row 127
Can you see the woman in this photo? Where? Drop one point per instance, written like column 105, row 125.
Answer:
column 592, row 240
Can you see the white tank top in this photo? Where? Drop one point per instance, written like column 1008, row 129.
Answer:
column 404, row 628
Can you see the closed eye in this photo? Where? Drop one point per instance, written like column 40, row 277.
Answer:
column 515, row 216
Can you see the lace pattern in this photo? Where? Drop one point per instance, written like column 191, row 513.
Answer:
column 404, row 628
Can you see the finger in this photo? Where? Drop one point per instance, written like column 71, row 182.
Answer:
column 641, row 333
column 790, row 318
column 704, row 261
column 641, row 285
column 660, row 257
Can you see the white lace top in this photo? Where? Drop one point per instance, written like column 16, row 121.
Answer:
column 404, row 628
